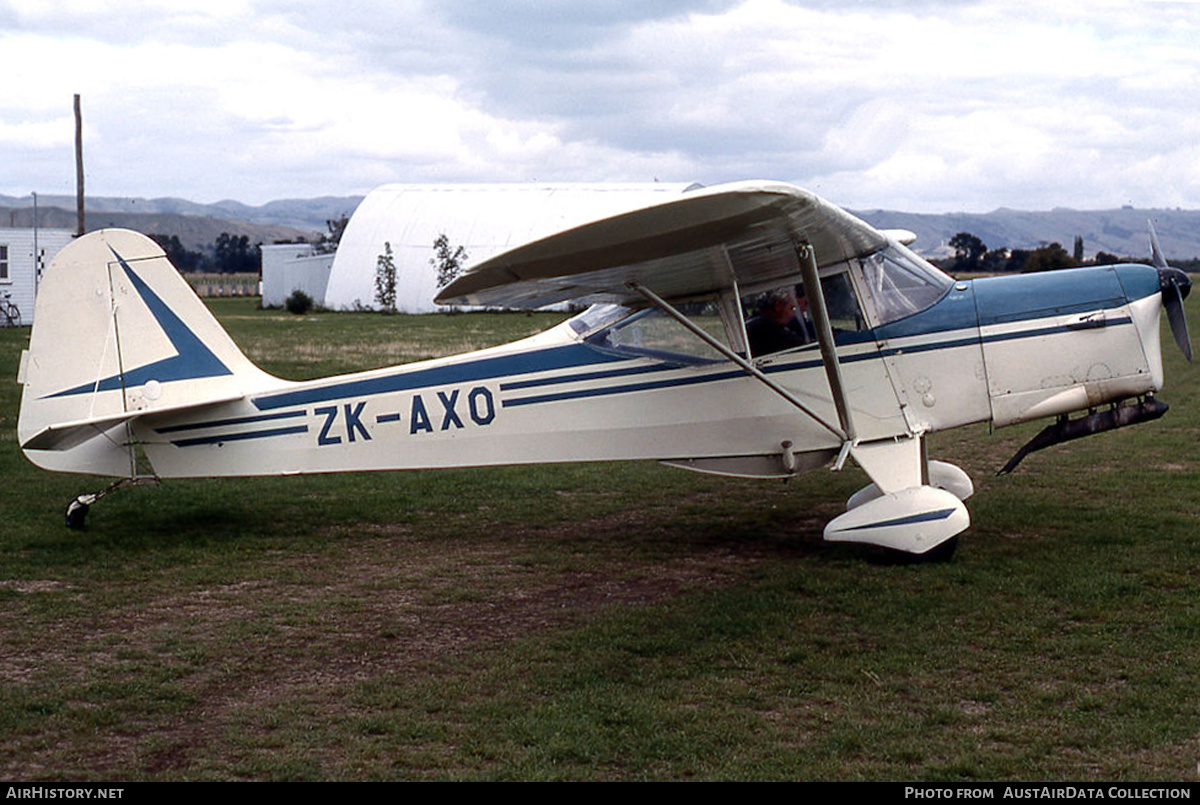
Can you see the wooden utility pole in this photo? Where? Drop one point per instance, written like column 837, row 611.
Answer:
column 78, row 168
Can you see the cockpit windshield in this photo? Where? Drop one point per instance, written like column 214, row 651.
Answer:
column 899, row 283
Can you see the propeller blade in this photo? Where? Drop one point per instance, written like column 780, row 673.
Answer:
column 1156, row 255
column 1175, row 286
column 1173, row 301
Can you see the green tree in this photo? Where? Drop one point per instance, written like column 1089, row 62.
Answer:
column 385, row 279
column 995, row 260
column 447, row 261
column 1048, row 258
column 234, row 255
column 1017, row 258
column 180, row 256
column 968, row 251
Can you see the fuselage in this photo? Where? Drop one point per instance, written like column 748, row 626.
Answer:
column 1003, row 350
column 760, row 332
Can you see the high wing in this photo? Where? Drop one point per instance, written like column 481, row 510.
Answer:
column 687, row 247
column 744, row 237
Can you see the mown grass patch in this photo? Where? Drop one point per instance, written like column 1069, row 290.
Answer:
column 617, row 621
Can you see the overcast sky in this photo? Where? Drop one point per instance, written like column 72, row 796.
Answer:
column 934, row 106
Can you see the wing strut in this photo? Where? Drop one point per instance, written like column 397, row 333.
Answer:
column 744, row 364
column 833, row 369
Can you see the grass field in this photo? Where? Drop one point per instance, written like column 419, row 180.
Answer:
column 608, row 622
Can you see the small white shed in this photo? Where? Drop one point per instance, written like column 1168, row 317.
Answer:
column 19, row 273
column 294, row 267
column 484, row 219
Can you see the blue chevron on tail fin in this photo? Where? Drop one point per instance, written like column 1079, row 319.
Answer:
column 119, row 334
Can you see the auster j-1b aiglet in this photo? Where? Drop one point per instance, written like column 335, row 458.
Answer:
column 884, row 350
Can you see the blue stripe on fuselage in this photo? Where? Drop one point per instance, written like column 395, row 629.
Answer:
column 240, row 420
column 542, row 360
column 580, row 377
column 774, row 368
column 240, row 436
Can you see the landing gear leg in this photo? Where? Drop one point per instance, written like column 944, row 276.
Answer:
column 78, row 508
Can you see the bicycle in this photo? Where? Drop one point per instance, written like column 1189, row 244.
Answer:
column 10, row 312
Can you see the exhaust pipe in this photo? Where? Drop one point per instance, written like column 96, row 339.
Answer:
column 1065, row 430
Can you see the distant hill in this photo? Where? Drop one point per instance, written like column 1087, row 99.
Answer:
column 195, row 232
column 1122, row 231
column 301, row 214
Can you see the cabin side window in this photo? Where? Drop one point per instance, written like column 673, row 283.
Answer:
column 779, row 319
column 845, row 314
column 3, row 261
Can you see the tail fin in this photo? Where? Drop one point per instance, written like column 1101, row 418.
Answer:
column 117, row 334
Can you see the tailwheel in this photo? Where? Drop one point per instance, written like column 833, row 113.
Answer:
column 77, row 511
column 78, row 508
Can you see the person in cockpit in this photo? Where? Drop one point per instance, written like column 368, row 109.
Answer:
column 779, row 323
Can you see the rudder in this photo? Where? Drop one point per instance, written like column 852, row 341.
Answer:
column 117, row 333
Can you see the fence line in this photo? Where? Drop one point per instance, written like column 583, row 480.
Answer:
column 222, row 289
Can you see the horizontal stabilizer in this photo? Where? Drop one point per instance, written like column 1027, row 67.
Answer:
column 68, row 435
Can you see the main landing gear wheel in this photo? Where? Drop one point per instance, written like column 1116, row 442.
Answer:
column 938, row 555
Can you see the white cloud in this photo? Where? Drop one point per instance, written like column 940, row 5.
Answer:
column 931, row 106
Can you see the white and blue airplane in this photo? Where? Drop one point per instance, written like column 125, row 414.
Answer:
column 873, row 350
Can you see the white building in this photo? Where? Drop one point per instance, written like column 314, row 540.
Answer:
column 294, row 267
column 483, row 219
column 19, row 273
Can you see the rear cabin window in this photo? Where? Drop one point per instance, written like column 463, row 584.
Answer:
column 653, row 332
